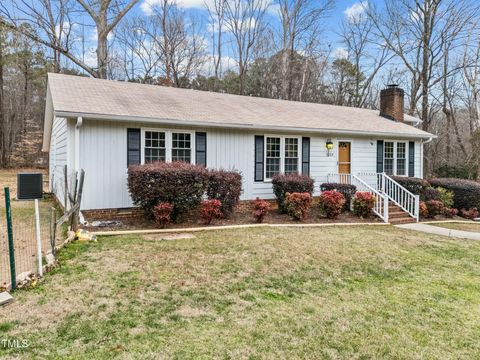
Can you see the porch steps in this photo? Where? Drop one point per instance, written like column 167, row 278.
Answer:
column 397, row 216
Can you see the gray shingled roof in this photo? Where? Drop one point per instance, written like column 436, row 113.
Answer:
column 116, row 100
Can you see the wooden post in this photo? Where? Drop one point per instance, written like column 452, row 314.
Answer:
column 53, row 231
column 78, row 200
column 65, row 192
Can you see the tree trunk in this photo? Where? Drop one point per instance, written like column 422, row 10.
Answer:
column 2, row 109
column 102, row 52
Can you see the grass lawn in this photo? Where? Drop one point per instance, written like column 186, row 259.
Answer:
column 335, row 293
column 471, row 226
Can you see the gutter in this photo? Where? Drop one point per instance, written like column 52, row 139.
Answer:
column 252, row 127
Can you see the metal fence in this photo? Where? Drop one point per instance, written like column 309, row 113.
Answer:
column 67, row 187
column 24, row 240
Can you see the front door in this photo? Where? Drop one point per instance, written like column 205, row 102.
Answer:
column 344, row 163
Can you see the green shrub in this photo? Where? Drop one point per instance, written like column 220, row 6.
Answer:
column 298, row 205
column 466, row 192
column 294, row 183
column 446, row 197
column 458, row 172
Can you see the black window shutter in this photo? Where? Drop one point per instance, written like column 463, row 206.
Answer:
column 379, row 156
column 259, row 157
column 306, row 156
column 411, row 159
column 201, row 148
column 133, row 146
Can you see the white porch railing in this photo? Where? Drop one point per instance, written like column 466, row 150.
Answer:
column 405, row 199
column 381, row 200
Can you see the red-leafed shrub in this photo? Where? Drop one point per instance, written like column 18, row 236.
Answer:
column 471, row 214
column 298, row 205
column 178, row 183
column 225, row 186
column 331, row 203
column 423, row 209
column 283, row 184
column 450, row 212
column 363, row 203
column 162, row 213
column 435, row 207
column 211, row 209
column 260, row 209
column 466, row 192
column 347, row 190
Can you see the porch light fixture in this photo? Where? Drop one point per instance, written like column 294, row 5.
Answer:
column 329, row 146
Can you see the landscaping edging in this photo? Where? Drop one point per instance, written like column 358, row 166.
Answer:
column 225, row 227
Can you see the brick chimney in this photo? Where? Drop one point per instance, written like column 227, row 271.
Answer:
column 391, row 103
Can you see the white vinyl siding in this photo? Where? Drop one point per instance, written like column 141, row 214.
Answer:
column 58, row 157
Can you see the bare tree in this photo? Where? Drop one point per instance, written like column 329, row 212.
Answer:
column 51, row 25
column 216, row 12
column 301, row 21
column 244, row 20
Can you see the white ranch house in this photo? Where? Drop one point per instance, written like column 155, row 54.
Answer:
column 103, row 126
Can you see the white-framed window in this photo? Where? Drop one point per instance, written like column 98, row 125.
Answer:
column 167, row 145
column 282, row 155
column 182, row 147
column 395, row 158
column 155, row 146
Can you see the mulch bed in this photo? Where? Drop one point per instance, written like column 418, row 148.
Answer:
column 241, row 216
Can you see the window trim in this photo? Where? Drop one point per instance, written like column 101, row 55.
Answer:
column 282, row 153
column 395, row 158
column 168, row 143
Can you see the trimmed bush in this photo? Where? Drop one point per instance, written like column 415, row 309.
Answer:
column 162, row 213
column 225, row 186
column 331, row 203
column 446, row 197
column 260, row 209
column 363, row 203
column 423, row 210
column 450, row 212
column 466, row 192
column 471, row 214
column 177, row 183
column 347, row 190
column 416, row 186
column 435, row 207
column 210, row 209
column 298, row 205
column 283, row 184
column 431, row 194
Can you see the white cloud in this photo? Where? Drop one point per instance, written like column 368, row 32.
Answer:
column 340, row 53
column 355, row 12
column 147, row 6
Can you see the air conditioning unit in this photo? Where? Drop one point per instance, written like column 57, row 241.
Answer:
column 29, row 186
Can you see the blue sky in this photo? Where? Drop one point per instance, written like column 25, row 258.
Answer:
column 341, row 10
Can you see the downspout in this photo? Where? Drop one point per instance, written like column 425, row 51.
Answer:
column 78, row 125
column 421, row 150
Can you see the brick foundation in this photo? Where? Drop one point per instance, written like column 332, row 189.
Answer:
column 113, row 214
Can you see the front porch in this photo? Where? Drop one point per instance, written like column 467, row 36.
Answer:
column 393, row 202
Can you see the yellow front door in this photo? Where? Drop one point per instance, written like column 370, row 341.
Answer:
column 344, row 163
